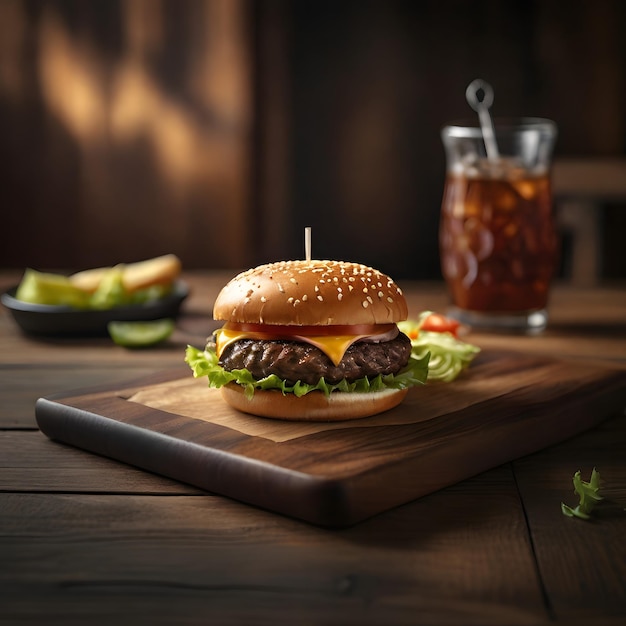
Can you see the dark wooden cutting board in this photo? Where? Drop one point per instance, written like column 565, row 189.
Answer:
column 505, row 406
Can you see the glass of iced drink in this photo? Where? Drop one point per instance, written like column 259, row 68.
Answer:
column 497, row 237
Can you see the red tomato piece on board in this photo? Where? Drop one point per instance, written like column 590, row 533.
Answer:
column 437, row 323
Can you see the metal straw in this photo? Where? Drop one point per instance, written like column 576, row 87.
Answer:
column 481, row 105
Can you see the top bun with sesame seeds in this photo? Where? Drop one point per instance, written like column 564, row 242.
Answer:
column 310, row 340
column 311, row 293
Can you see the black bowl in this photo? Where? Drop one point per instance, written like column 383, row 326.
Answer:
column 50, row 320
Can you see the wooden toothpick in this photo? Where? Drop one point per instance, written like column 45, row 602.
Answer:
column 307, row 243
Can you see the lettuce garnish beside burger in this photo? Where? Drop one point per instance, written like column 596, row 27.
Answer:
column 434, row 334
column 311, row 340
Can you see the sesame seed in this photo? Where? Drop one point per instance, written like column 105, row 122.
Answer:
column 339, row 296
column 293, row 280
column 380, row 294
column 365, row 304
column 290, row 300
column 320, row 298
column 263, row 299
column 305, row 298
column 369, row 299
column 390, row 299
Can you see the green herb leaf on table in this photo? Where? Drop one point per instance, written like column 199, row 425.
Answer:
column 588, row 496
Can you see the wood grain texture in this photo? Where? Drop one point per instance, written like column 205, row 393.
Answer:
column 29, row 383
column 33, row 463
column 84, row 539
column 222, row 562
column 181, row 166
column 341, row 476
column 582, row 563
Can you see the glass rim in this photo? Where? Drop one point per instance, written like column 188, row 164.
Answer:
column 471, row 128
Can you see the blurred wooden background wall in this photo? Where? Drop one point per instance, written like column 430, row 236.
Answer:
column 218, row 129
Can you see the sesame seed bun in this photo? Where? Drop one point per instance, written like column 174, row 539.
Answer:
column 313, row 292
column 314, row 406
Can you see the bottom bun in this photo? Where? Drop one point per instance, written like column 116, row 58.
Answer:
column 315, row 406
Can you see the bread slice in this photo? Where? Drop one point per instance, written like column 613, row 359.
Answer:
column 160, row 270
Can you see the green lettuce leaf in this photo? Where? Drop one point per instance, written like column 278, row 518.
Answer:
column 112, row 293
column 449, row 356
column 205, row 363
column 588, row 496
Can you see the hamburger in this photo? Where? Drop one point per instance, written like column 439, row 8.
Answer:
column 310, row 340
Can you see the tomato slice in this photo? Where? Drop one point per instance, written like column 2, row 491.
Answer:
column 438, row 323
column 313, row 331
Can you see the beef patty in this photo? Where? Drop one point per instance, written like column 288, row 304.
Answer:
column 293, row 361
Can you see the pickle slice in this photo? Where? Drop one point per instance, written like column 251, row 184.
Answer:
column 140, row 334
column 51, row 289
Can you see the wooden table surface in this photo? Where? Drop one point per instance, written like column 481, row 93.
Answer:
column 86, row 540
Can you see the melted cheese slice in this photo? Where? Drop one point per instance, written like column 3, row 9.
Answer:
column 334, row 346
